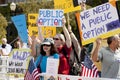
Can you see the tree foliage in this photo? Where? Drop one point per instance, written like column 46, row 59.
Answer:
column 3, row 25
column 33, row 6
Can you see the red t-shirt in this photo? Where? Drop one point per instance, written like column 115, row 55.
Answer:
column 64, row 66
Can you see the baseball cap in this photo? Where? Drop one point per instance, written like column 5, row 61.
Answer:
column 47, row 41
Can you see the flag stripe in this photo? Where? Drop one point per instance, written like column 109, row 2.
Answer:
column 32, row 73
column 88, row 68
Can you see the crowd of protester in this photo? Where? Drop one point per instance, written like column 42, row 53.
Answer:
column 62, row 46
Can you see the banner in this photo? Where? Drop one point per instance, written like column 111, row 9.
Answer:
column 66, row 5
column 69, row 77
column 101, row 21
column 20, row 24
column 50, row 17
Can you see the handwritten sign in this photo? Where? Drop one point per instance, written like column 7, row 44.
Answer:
column 49, row 17
column 33, row 28
column 66, row 5
column 52, row 66
column 48, row 31
column 20, row 24
column 32, row 24
column 17, row 62
column 101, row 21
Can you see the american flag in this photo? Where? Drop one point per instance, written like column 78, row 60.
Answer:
column 32, row 72
column 88, row 68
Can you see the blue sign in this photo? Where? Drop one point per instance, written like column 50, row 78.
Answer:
column 20, row 23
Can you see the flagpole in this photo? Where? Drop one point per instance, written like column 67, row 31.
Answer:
column 68, row 18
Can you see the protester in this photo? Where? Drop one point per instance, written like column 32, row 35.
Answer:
column 75, row 63
column 47, row 50
column 109, row 57
column 64, row 49
column 75, row 42
column 35, row 47
column 18, row 44
column 5, row 47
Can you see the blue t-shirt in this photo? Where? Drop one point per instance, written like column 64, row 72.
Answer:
column 44, row 61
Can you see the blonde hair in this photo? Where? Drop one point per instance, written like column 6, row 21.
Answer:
column 61, row 36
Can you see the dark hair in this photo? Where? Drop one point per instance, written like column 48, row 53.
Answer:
column 110, row 39
column 52, row 50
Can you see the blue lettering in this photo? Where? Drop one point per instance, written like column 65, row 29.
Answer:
column 61, row 14
column 51, row 14
column 102, row 18
column 108, row 15
column 85, row 15
column 101, row 8
column 41, row 13
column 83, row 26
column 20, row 55
column 94, row 32
column 15, row 54
column 48, row 13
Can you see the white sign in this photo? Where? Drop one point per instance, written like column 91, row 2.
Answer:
column 99, row 20
column 17, row 62
column 52, row 66
column 16, row 66
column 49, row 17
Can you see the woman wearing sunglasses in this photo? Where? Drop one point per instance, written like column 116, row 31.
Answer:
column 47, row 50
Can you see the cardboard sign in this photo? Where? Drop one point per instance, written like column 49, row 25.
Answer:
column 101, row 21
column 66, row 5
column 32, row 24
column 17, row 62
column 20, row 24
column 33, row 27
column 52, row 66
column 49, row 17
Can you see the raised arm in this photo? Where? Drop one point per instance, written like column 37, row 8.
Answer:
column 40, row 34
column 96, row 50
column 74, row 41
column 66, row 33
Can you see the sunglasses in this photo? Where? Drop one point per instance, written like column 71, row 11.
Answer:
column 56, row 39
column 47, row 45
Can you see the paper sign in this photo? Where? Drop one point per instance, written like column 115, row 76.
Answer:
column 17, row 62
column 48, row 31
column 33, row 28
column 32, row 24
column 52, row 66
column 101, row 21
column 20, row 24
column 66, row 5
column 49, row 17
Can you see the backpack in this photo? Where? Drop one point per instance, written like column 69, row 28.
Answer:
column 74, row 62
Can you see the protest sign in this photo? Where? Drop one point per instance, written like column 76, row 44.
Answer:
column 18, row 62
column 33, row 28
column 70, row 77
column 32, row 24
column 48, row 31
column 101, row 21
column 52, row 66
column 66, row 5
column 20, row 24
column 50, row 17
